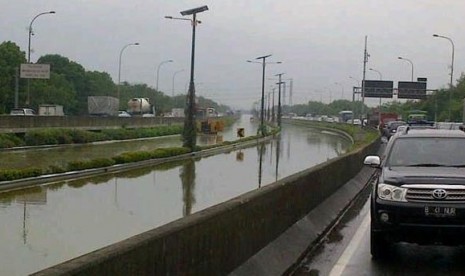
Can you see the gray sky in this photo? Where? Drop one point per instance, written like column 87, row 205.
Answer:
column 319, row 42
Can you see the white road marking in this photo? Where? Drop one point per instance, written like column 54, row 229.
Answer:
column 342, row 262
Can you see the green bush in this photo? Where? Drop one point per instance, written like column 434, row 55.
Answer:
column 8, row 140
column 12, row 174
column 90, row 164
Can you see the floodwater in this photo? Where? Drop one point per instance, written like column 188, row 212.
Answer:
column 49, row 224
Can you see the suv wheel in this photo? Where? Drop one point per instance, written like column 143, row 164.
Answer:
column 379, row 246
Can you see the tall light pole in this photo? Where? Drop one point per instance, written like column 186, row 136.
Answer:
column 342, row 87
column 263, row 62
column 451, row 69
column 279, row 97
column 31, row 33
column 189, row 133
column 172, row 83
column 158, row 71
column 119, row 65
column 411, row 63
column 379, row 107
column 29, row 50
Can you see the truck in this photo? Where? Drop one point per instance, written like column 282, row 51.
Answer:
column 375, row 120
column 140, row 106
column 51, row 110
column 102, row 106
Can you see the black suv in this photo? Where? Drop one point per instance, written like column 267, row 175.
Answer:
column 419, row 196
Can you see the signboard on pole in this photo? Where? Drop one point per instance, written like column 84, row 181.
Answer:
column 35, row 71
column 378, row 88
column 411, row 90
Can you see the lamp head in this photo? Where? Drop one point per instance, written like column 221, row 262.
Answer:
column 435, row 35
column 137, row 43
column 399, row 57
column 195, row 10
column 51, row 12
column 169, row 17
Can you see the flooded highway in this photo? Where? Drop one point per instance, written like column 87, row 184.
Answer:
column 49, row 224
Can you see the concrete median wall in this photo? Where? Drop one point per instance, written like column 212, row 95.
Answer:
column 217, row 240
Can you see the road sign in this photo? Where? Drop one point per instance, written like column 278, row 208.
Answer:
column 411, row 90
column 378, row 88
column 35, row 71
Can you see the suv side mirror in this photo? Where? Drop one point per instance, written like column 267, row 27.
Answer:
column 372, row 161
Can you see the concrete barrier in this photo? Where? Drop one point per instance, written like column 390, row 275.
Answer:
column 219, row 239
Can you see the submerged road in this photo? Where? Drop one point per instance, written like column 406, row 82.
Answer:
column 48, row 224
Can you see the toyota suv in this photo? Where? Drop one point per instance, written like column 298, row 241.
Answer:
column 419, row 196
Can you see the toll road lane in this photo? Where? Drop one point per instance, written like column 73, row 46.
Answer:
column 346, row 251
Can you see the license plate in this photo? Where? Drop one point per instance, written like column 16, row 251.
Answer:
column 437, row 211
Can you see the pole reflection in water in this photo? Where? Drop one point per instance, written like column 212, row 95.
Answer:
column 261, row 150
column 278, row 152
column 188, row 186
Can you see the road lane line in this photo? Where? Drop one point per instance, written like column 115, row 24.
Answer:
column 342, row 262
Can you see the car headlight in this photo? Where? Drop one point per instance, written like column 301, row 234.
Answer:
column 392, row 193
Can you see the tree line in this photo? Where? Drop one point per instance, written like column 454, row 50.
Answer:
column 70, row 84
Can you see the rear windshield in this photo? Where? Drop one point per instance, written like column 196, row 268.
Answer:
column 427, row 151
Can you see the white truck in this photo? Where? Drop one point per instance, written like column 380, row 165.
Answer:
column 51, row 110
column 102, row 106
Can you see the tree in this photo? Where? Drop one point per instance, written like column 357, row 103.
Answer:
column 11, row 58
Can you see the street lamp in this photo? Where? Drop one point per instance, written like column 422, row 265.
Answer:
column 342, row 87
column 158, row 71
column 189, row 134
column 379, row 107
column 119, row 64
column 172, row 84
column 31, row 33
column 263, row 62
column 451, row 69
column 379, row 73
column 279, row 97
column 411, row 63
column 29, row 49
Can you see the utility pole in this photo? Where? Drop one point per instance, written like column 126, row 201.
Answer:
column 365, row 61
column 279, row 98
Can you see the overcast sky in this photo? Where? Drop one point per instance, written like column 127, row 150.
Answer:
column 319, row 42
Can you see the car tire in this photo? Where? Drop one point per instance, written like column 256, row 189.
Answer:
column 379, row 245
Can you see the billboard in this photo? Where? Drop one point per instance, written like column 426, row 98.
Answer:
column 378, row 88
column 35, row 71
column 411, row 90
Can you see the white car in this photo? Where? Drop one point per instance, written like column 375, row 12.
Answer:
column 123, row 113
column 148, row 115
column 357, row 122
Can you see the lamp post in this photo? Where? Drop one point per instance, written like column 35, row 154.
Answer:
column 279, row 97
column 379, row 107
column 29, row 49
column 451, row 69
column 172, row 84
column 158, row 71
column 31, row 33
column 189, row 134
column 263, row 62
column 119, row 64
column 342, row 89
column 411, row 63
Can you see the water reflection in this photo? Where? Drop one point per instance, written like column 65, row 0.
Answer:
column 59, row 221
column 188, row 186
